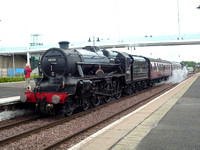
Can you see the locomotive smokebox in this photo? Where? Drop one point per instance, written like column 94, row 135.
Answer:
column 64, row 44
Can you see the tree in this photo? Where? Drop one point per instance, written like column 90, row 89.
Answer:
column 189, row 63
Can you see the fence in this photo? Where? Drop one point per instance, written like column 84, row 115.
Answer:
column 4, row 72
column 18, row 72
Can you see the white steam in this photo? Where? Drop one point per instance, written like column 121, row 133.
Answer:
column 178, row 75
column 5, row 115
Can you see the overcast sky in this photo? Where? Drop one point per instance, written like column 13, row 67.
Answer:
column 77, row 20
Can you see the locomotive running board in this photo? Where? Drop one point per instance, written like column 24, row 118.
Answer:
column 104, row 64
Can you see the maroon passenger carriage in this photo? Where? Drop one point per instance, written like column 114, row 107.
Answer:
column 159, row 70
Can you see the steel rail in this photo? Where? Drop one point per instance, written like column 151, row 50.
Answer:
column 25, row 121
column 38, row 129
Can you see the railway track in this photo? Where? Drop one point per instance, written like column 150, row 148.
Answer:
column 58, row 143
column 64, row 120
column 24, row 121
column 75, row 134
column 31, row 131
column 38, row 129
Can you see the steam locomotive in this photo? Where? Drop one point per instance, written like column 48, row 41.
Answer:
column 86, row 77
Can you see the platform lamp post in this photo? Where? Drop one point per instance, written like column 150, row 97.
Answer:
column 0, row 39
column 179, row 32
column 93, row 40
column 13, row 64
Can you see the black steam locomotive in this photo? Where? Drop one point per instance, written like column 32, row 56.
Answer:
column 86, row 77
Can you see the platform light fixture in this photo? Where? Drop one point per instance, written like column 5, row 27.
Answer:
column 93, row 40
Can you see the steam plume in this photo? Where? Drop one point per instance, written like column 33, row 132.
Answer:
column 178, row 75
column 5, row 115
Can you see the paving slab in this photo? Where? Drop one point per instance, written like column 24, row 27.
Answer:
column 180, row 127
column 13, row 89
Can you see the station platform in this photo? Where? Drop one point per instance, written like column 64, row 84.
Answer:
column 169, row 122
column 10, row 92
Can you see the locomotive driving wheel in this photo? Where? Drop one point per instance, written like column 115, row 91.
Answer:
column 68, row 108
column 96, row 101
column 68, row 113
column 85, row 105
column 107, row 90
column 107, row 98
column 117, row 89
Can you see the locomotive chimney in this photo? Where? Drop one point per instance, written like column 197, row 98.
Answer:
column 64, row 44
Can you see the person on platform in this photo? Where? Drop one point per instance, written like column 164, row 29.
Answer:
column 27, row 73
